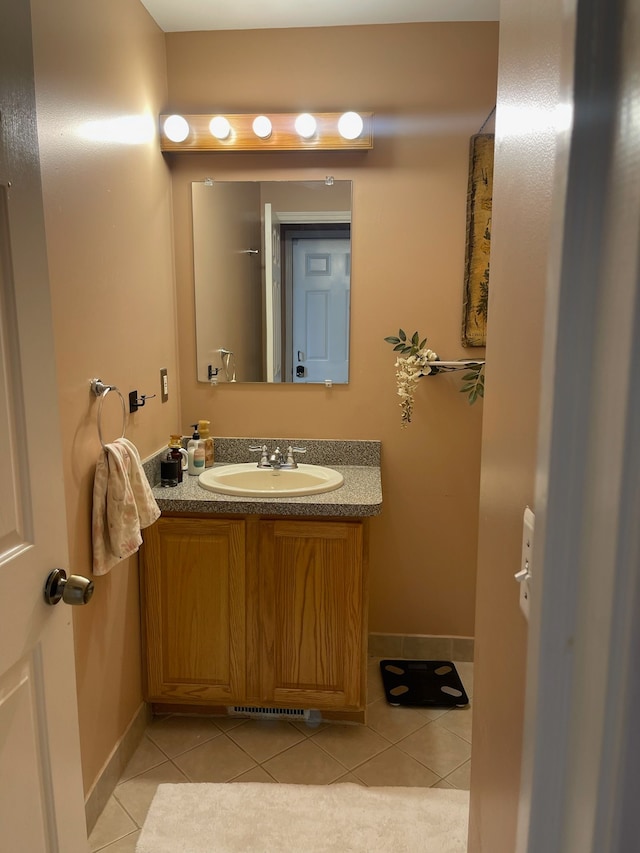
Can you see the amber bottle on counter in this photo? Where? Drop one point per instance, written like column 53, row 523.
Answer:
column 177, row 451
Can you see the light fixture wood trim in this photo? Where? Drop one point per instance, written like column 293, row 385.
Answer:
column 283, row 136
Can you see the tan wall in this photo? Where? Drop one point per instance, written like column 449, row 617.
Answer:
column 285, row 196
column 530, row 49
column 431, row 86
column 226, row 222
column 108, row 222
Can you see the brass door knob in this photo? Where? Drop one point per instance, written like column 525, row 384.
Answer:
column 74, row 589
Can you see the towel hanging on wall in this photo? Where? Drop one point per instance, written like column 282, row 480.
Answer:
column 123, row 505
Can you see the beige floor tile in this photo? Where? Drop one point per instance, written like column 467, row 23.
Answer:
column 146, row 756
column 174, row 735
column 375, row 687
column 443, row 784
column 394, row 767
column 458, row 721
column 136, row 794
column 113, row 823
column 393, row 723
column 218, row 760
column 125, row 845
column 348, row 777
column 307, row 730
column 431, row 743
column 304, row 764
column 263, row 739
column 350, row 745
column 227, row 723
column 461, row 778
column 437, row 748
column 256, row 774
column 431, row 713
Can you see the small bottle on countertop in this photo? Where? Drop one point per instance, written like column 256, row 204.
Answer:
column 203, row 429
column 177, row 452
column 195, row 452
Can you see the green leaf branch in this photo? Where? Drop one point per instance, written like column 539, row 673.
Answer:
column 415, row 360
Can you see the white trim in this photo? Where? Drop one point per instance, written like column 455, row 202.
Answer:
column 302, row 217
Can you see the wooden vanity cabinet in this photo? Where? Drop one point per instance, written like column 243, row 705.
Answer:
column 266, row 612
column 306, row 615
column 193, row 610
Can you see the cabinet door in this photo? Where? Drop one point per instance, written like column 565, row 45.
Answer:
column 311, row 614
column 193, row 583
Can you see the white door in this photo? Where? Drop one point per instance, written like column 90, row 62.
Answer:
column 321, row 290
column 580, row 783
column 41, row 806
column 273, row 295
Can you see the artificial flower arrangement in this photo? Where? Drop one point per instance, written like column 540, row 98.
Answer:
column 415, row 359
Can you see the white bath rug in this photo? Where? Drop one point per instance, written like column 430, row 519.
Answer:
column 266, row 818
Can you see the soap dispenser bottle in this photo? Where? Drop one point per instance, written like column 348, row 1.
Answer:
column 203, row 429
column 195, row 452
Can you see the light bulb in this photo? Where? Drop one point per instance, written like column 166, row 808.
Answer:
column 350, row 125
column 176, row 128
column 305, row 125
column 262, row 127
column 219, row 127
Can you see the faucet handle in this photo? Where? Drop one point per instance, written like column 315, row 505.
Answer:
column 290, row 458
column 262, row 449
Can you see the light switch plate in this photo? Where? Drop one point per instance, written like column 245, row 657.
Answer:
column 164, row 385
column 523, row 576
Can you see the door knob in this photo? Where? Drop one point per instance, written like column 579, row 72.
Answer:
column 72, row 590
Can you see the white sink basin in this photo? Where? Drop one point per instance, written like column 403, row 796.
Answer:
column 250, row 481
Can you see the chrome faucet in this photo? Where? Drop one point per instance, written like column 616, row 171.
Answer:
column 276, row 460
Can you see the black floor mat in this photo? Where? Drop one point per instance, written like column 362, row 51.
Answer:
column 427, row 683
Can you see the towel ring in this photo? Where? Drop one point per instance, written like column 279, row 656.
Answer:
column 100, row 389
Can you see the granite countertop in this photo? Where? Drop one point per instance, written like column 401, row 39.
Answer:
column 359, row 496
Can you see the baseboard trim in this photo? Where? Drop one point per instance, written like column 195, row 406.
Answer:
column 421, row 647
column 108, row 777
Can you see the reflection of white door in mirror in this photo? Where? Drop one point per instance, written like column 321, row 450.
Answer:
column 236, row 308
column 321, row 286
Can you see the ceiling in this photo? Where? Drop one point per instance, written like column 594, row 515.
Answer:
column 188, row 15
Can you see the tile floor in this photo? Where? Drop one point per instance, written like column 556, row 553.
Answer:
column 398, row 746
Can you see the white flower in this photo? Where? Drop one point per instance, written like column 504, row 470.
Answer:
column 414, row 363
column 409, row 369
column 418, row 360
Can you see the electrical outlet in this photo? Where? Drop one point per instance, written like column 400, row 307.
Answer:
column 523, row 576
column 164, row 385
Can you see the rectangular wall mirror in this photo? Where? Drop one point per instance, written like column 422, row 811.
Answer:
column 272, row 274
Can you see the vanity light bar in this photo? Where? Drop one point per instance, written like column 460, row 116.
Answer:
column 196, row 132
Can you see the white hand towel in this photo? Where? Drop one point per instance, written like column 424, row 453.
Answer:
column 122, row 504
column 148, row 510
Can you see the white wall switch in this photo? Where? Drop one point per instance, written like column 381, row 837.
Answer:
column 523, row 575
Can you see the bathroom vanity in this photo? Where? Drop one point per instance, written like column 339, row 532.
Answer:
column 260, row 602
